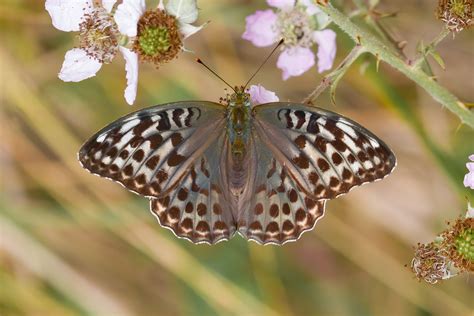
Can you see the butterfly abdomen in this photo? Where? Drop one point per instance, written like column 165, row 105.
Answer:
column 238, row 129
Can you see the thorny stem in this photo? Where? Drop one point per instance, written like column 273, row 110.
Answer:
column 374, row 46
column 442, row 35
column 373, row 20
column 334, row 76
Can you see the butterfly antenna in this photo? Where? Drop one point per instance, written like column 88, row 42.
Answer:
column 264, row 62
column 214, row 73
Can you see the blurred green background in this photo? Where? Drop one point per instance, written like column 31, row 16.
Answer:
column 75, row 244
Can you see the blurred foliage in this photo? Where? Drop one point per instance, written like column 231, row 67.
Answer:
column 74, row 244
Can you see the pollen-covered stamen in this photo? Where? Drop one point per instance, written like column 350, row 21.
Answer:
column 456, row 14
column 295, row 27
column 460, row 242
column 430, row 263
column 99, row 35
column 158, row 39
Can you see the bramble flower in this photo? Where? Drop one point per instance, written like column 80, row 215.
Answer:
column 456, row 14
column 469, row 177
column 450, row 254
column 106, row 27
column 301, row 25
column 430, row 263
column 158, row 34
column 259, row 95
column 98, row 35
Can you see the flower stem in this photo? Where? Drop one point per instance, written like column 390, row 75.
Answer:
column 331, row 79
column 374, row 46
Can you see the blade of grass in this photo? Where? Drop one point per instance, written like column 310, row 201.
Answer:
column 51, row 268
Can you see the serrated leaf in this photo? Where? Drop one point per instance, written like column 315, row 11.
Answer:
column 437, row 57
column 420, row 47
column 426, row 68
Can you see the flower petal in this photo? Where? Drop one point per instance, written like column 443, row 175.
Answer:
column 188, row 29
column 471, row 157
column 108, row 4
column 326, row 39
column 161, row 5
column 470, row 166
column 281, row 4
column 311, row 7
column 66, row 15
column 469, row 180
column 185, row 11
column 127, row 15
column 295, row 61
column 77, row 66
column 259, row 95
column 260, row 28
column 131, row 66
column 470, row 211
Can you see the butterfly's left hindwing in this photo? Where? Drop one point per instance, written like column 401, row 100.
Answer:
column 150, row 150
column 196, row 209
column 326, row 154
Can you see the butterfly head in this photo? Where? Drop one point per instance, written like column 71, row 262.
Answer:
column 240, row 98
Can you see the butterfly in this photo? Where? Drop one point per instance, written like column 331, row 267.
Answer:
column 211, row 170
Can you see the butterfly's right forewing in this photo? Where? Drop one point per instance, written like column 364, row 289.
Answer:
column 325, row 153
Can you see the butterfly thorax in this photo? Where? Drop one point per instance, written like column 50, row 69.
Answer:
column 238, row 124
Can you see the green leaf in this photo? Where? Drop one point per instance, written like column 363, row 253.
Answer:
column 425, row 66
column 421, row 47
column 437, row 57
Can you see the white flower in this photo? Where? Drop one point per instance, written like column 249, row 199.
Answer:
column 154, row 35
column 156, row 41
column 95, row 24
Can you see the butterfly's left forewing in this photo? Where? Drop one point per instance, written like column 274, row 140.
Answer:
column 150, row 150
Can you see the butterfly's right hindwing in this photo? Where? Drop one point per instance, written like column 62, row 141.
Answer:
column 150, row 150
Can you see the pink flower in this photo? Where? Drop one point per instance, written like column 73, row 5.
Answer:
column 259, row 95
column 469, row 177
column 260, row 28
column 281, row 4
column 295, row 61
column 326, row 40
column 300, row 25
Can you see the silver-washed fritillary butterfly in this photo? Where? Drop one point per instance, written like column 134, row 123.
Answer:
column 211, row 170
